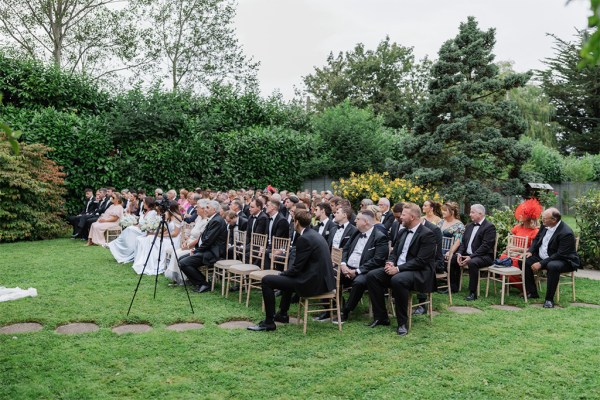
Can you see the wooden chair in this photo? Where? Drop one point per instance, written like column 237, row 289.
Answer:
column 447, row 243
column 279, row 245
column 112, row 233
column 239, row 257
column 332, row 296
column 480, row 270
column 516, row 248
column 566, row 278
column 239, row 273
column 428, row 303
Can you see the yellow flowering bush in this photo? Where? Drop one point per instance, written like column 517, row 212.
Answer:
column 374, row 186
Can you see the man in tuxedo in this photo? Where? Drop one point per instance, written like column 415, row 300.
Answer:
column 258, row 222
column 553, row 250
column 310, row 275
column 210, row 248
column 387, row 217
column 89, row 207
column 366, row 251
column 290, row 202
column 86, row 220
column 439, row 264
column 410, row 267
column 322, row 212
column 476, row 250
column 277, row 227
column 341, row 232
column 191, row 213
column 235, row 223
column 397, row 226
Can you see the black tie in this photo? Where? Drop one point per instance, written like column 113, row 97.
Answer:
column 362, row 235
column 340, row 226
column 476, row 224
column 321, row 224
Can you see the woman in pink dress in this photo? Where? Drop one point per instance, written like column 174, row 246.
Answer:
column 108, row 220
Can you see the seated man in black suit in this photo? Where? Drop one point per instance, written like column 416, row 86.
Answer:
column 341, row 232
column 322, row 213
column 310, row 275
column 277, row 227
column 387, row 217
column 397, row 226
column 476, row 250
column 410, row 267
column 86, row 220
column 553, row 250
column 209, row 249
column 235, row 223
column 366, row 251
column 89, row 206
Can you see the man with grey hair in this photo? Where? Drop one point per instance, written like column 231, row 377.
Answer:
column 210, row 248
column 387, row 217
column 476, row 250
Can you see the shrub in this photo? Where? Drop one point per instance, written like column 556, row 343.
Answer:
column 31, row 194
column 587, row 215
column 504, row 220
column 374, row 186
column 544, row 160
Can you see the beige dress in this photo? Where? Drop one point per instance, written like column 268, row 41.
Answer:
column 98, row 228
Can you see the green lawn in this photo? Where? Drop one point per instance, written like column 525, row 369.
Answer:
column 533, row 353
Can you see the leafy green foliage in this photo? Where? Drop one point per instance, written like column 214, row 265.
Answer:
column 590, row 51
column 573, row 93
column 587, row 214
column 544, row 160
column 31, row 194
column 387, row 79
column 504, row 220
column 465, row 138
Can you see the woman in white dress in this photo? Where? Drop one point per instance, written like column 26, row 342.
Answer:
column 108, row 220
column 123, row 247
column 157, row 260
column 172, row 272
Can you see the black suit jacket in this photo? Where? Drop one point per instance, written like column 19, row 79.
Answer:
column 280, row 228
column 439, row 257
column 312, row 269
column 388, row 219
column 420, row 258
column 89, row 206
column 327, row 230
column 349, row 230
column 242, row 222
column 192, row 217
column 258, row 224
column 103, row 206
column 394, row 232
column 483, row 243
column 561, row 246
column 374, row 254
column 213, row 240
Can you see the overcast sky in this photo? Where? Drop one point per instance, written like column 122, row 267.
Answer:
column 291, row 37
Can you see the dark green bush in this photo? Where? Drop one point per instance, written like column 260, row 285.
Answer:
column 587, row 215
column 31, row 194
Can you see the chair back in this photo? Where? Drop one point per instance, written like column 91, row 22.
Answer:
column 186, row 230
column 278, row 245
column 516, row 248
column 336, row 260
column 496, row 245
column 447, row 243
column 239, row 243
column 576, row 243
column 258, row 247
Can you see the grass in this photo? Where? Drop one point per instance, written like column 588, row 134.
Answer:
column 533, row 353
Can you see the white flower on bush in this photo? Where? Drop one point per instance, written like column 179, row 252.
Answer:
column 128, row 220
column 150, row 224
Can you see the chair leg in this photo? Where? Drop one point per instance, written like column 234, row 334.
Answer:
column 337, row 309
column 223, row 282
column 573, row 284
column 430, row 306
column 248, row 292
column 557, row 290
column 227, row 286
column 241, row 288
column 305, row 315
column 487, row 284
column 410, row 296
column 503, row 290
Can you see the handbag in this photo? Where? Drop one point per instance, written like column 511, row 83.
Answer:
column 503, row 262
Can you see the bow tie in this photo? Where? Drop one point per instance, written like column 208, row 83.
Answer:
column 362, row 235
column 232, row 226
column 271, row 219
column 320, row 224
column 408, row 232
column 477, row 224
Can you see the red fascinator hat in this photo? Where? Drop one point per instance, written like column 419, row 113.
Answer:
column 529, row 209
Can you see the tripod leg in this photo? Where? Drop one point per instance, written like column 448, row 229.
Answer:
column 181, row 273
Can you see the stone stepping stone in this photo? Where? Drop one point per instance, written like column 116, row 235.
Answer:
column 464, row 310
column 131, row 328
column 236, row 324
column 505, row 308
column 23, row 327
column 185, row 326
column 585, row 305
column 77, row 327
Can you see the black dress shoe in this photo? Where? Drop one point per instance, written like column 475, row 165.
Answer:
column 420, row 310
column 531, row 296
column 324, row 316
column 202, row 289
column 263, row 326
column 234, row 289
column 548, row 304
column 378, row 322
column 471, row 297
column 283, row 318
column 402, row 331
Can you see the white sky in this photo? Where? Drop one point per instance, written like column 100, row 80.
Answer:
column 291, row 37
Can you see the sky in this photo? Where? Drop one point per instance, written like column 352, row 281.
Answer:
column 292, row 37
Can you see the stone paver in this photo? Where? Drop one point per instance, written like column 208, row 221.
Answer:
column 185, row 326
column 131, row 328
column 77, row 327
column 541, row 305
column 593, row 274
column 585, row 305
column 506, row 308
column 236, row 324
column 464, row 310
column 24, row 327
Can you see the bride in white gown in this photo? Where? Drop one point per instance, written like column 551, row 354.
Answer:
column 123, row 248
column 145, row 247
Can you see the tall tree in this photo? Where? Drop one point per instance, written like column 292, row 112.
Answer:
column 465, row 138
column 388, row 79
column 575, row 93
column 195, row 44
column 94, row 37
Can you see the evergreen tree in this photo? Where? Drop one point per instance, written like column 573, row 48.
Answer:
column 575, row 93
column 466, row 136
